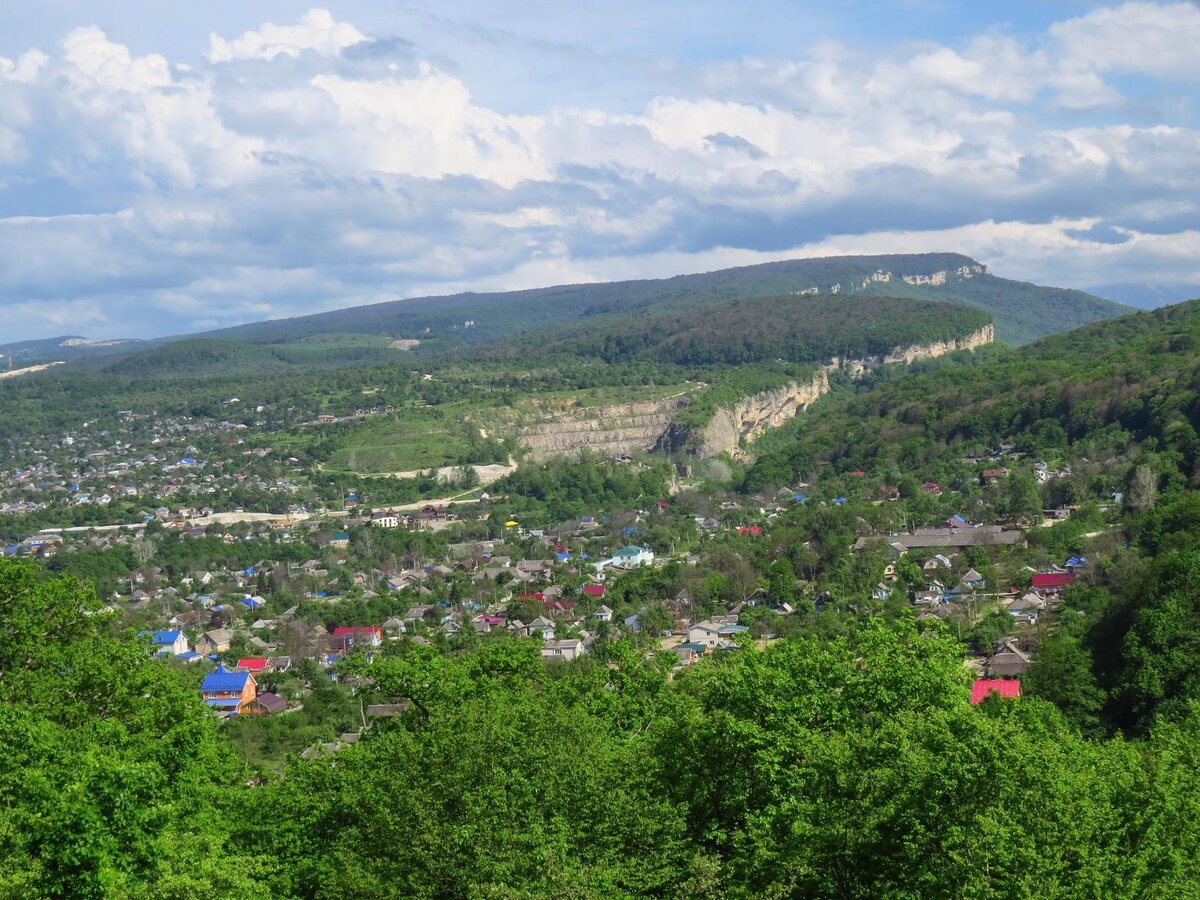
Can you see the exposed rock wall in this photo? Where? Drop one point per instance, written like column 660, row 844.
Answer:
column 617, row 429
column 637, row 427
column 985, row 335
column 729, row 429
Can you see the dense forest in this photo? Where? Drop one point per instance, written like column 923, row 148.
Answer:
column 1127, row 383
column 763, row 329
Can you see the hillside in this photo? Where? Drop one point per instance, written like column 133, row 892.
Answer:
column 1022, row 312
column 789, row 328
column 64, row 347
column 1111, row 386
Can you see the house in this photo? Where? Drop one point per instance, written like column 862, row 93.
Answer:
column 386, row 519
column 534, row 568
column 1007, row 662
column 1052, row 581
column 713, row 634
column 628, row 558
column 935, row 562
column 1025, row 609
column 339, row 539
column 603, row 614
column 987, row 476
column 361, row 635
column 594, row 590
column 216, row 641
column 265, row 704
column 256, row 664
column 394, row 626
column 973, row 580
column 932, row 488
column 541, row 627
column 571, row 648
column 228, row 692
column 169, row 643
column 689, row 653
column 1007, row 688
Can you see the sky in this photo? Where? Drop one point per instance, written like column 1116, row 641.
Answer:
column 170, row 168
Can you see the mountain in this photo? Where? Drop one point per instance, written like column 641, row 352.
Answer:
column 1022, row 312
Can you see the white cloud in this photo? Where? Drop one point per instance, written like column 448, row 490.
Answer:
column 315, row 31
column 283, row 175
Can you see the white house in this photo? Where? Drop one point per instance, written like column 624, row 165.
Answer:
column 568, row 649
column 170, row 643
column 628, row 558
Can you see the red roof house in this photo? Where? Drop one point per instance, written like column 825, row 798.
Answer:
column 253, row 664
column 1052, row 580
column 1007, row 688
column 360, row 634
column 593, row 590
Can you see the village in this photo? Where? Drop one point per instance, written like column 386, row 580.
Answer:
column 249, row 605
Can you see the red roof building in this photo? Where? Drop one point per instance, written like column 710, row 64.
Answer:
column 364, row 634
column 253, row 664
column 1007, row 688
column 593, row 590
column 1052, row 580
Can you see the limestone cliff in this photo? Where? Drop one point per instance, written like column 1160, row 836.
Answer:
column 985, row 335
column 628, row 428
column 730, row 429
column 652, row 425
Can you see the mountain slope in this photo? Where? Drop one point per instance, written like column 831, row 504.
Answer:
column 788, row 328
column 1112, row 387
column 1022, row 312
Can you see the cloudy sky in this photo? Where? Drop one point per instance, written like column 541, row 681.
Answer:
column 167, row 168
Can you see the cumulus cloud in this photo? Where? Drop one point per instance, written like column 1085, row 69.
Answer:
column 311, row 165
column 316, row 31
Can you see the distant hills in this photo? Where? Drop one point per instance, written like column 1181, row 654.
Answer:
column 64, row 347
column 784, row 310
column 1022, row 312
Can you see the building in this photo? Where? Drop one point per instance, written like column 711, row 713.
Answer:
column 628, row 558
column 169, row 643
column 216, row 641
column 568, row 649
column 1007, row 688
column 228, row 692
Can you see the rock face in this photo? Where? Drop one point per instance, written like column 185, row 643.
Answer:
column 628, row 428
column 638, row 427
column 985, row 335
column 730, row 429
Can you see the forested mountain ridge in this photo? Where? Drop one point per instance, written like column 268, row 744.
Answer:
column 1134, row 378
column 790, row 328
column 1022, row 311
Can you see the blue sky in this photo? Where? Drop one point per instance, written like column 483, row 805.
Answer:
column 167, row 168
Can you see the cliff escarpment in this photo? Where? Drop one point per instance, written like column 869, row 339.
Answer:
column 656, row 425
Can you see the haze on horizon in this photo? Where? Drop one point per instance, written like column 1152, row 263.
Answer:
column 170, row 170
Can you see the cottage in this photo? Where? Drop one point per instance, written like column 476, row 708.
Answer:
column 973, row 580
column 1007, row 662
column 1007, row 688
column 169, row 643
column 567, row 649
column 216, row 641
column 361, row 635
column 603, row 614
column 228, row 692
